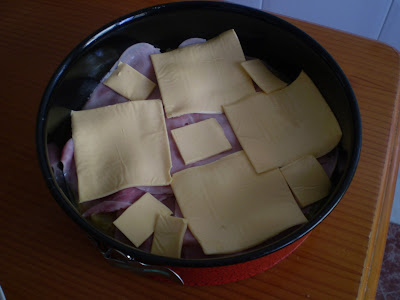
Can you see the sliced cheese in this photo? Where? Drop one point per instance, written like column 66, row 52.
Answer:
column 129, row 83
column 201, row 78
column 168, row 236
column 138, row 221
column 120, row 146
column 200, row 140
column 264, row 78
column 229, row 207
column 307, row 180
column 278, row 128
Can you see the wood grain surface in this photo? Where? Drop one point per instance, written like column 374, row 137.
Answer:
column 44, row 255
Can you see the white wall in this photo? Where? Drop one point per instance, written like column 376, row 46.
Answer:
column 390, row 32
column 375, row 19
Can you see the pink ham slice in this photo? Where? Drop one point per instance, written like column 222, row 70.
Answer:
column 191, row 41
column 103, row 96
column 69, row 169
column 157, row 190
column 138, row 57
column 122, row 200
column 119, row 200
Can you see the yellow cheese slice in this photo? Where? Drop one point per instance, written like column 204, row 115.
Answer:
column 200, row 78
column 278, row 128
column 138, row 221
column 264, row 78
column 229, row 207
column 200, row 140
column 168, row 236
column 129, row 83
column 120, row 146
column 307, row 180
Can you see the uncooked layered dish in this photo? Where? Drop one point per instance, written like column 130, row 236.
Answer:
column 198, row 151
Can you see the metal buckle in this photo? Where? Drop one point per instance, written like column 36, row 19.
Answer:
column 118, row 258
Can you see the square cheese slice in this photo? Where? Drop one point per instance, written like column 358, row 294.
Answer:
column 278, row 128
column 129, row 83
column 200, row 140
column 264, row 78
column 120, row 146
column 201, row 78
column 168, row 236
column 138, row 221
column 307, row 180
column 230, row 208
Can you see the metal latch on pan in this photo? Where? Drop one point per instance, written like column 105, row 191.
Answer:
column 122, row 260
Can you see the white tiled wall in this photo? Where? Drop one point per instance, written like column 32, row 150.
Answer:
column 362, row 17
column 375, row 19
column 390, row 32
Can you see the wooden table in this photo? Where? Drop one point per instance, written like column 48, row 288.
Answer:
column 44, row 255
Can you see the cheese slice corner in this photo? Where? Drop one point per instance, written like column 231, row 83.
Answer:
column 263, row 77
column 138, row 221
column 168, row 236
column 307, row 180
column 129, row 83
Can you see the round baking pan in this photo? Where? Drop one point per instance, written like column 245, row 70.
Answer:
column 287, row 49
